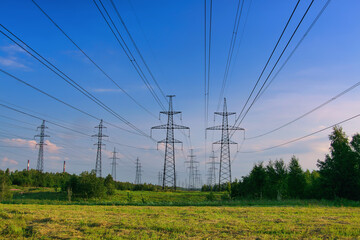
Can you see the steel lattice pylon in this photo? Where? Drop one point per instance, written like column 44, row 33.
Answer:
column 138, row 172
column 211, row 174
column 99, row 144
column 113, row 164
column 41, row 136
column 225, row 163
column 191, row 167
column 169, row 174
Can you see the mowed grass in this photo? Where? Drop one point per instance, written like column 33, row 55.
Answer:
column 149, row 222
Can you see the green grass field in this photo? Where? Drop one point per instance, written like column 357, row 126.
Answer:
column 144, row 222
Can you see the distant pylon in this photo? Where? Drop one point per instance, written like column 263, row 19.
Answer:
column 99, row 144
column 159, row 178
column 211, row 174
column 225, row 163
column 198, row 181
column 41, row 136
column 191, row 167
column 113, row 164
column 138, row 172
column 169, row 175
column 64, row 166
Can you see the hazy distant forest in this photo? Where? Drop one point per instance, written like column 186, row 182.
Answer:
column 338, row 176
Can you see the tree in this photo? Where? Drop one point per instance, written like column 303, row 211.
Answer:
column 296, row 179
column 258, row 179
column 339, row 172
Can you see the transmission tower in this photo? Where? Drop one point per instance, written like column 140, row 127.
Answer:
column 225, row 163
column 41, row 136
column 159, row 178
column 138, row 172
column 198, row 181
column 169, row 176
column 211, row 174
column 99, row 144
column 113, row 164
column 191, row 167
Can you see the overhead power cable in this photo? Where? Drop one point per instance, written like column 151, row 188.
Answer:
column 62, row 126
column 287, row 44
column 308, row 135
column 138, row 51
column 295, row 48
column 231, row 50
column 267, row 62
column 127, row 51
column 92, row 61
column 62, row 102
column 69, row 80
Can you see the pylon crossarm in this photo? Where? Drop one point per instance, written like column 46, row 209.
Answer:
column 215, row 128
column 170, row 112
column 163, row 126
column 225, row 113
column 176, row 126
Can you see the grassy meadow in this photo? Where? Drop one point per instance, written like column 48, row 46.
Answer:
column 153, row 222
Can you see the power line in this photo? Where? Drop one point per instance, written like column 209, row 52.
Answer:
column 231, row 49
column 297, row 27
column 128, row 52
column 262, row 72
column 300, row 138
column 69, row 80
column 309, row 112
column 295, row 48
column 92, row 61
column 137, row 50
column 61, row 101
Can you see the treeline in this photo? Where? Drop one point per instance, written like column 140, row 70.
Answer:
column 84, row 185
column 338, row 175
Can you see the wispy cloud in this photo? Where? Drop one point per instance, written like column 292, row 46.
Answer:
column 6, row 161
column 105, row 90
column 11, row 57
column 52, row 147
column 20, row 142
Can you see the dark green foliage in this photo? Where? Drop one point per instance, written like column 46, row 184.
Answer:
column 339, row 172
column 5, row 193
column 296, row 179
column 110, row 185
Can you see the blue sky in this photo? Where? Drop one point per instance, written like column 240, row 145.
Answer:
column 170, row 36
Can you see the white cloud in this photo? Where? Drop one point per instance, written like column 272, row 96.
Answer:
column 105, row 90
column 20, row 142
column 12, row 62
column 6, row 161
column 52, row 147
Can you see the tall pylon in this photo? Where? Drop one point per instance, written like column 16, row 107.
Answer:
column 113, row 164
column 138, row 171
column 99, row 144
column 211, row 174
column 41, row 136
column 169, row 174
column 225, row 162
column 191, row 167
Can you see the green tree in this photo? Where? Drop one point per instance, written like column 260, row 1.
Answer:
column 339, row 172
column 296, row 179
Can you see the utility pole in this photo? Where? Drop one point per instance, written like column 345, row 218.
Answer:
column 191, row 167
column 211, row 174
column 138, row 172
column 225, row 163
column 113, row 164
column 41, row 136
column 169, row 175
column 99, row 144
